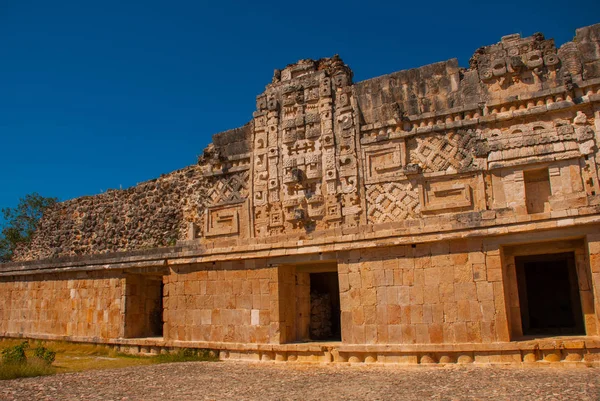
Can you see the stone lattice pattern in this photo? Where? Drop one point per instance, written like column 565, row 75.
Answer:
column 452, row 151
column 391, row 201
column 229, row 189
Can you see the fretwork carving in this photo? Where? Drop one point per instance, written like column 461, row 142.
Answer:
column 443, row 152
column 392, row 201
column 230, row 188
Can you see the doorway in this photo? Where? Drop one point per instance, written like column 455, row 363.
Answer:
column 324, row 307
column 549, row 295
column 144, row 306
column 309, row 300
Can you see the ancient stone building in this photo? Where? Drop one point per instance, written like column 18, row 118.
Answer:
column 440, row 214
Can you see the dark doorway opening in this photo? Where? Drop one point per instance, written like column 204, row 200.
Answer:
column 156, row 312
column 549, row 295
column 325, row 307
column 144, row 306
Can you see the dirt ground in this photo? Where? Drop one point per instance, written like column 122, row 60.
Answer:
column 265, row 381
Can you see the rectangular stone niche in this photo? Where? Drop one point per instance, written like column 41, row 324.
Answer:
column 222, row 221
column 537, row 190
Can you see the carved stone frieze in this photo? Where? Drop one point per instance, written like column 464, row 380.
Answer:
column 452, row 151
column 520, row 142
column 516, row 63
column 323, row 152
column 306, row 162
column 392, row 201
column 229, row 188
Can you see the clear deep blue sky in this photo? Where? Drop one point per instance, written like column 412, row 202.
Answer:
column 105, row 94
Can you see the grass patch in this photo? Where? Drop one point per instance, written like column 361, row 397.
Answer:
column 78, row 363
column 78, row 357
column 63, row 347
column 32, row 368
column 20, row 361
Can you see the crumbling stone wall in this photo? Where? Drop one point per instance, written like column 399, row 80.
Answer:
column 152, row 214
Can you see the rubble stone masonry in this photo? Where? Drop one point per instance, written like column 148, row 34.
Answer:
column 435, row 215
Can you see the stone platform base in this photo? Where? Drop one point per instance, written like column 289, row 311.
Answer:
column 554, row 351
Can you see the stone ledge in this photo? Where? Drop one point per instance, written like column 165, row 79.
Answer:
column 556, row 351
column 385, row 236
column 122, row 265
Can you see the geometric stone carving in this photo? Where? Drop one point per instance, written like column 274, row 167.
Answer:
column 222, row 221
column 384, row 162
column 392, row 201
column 229, row 189
column 520, row 142
column 450, row 152
column 310, row 159
column 440, row 196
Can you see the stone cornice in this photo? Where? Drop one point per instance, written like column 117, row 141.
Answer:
column 323, row 247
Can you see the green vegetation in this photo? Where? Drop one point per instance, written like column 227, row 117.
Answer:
column 15, row 362
column 15, row 354
column 49, row 357
column 44, row 354
column 21, row 222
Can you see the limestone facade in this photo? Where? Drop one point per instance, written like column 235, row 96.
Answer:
column 439, row 214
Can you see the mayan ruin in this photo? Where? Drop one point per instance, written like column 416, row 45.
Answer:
column 436, row 215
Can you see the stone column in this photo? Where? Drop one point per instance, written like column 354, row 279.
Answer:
column 593, row 247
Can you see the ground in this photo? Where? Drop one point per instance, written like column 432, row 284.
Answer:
column 265, row 381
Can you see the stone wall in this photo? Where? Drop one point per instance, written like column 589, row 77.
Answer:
column 449, row 292
column 426, row 89
column 71, row 304
column 151, row 214
column 224, row 302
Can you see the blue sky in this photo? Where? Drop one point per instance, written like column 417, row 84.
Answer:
column 97, row 95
